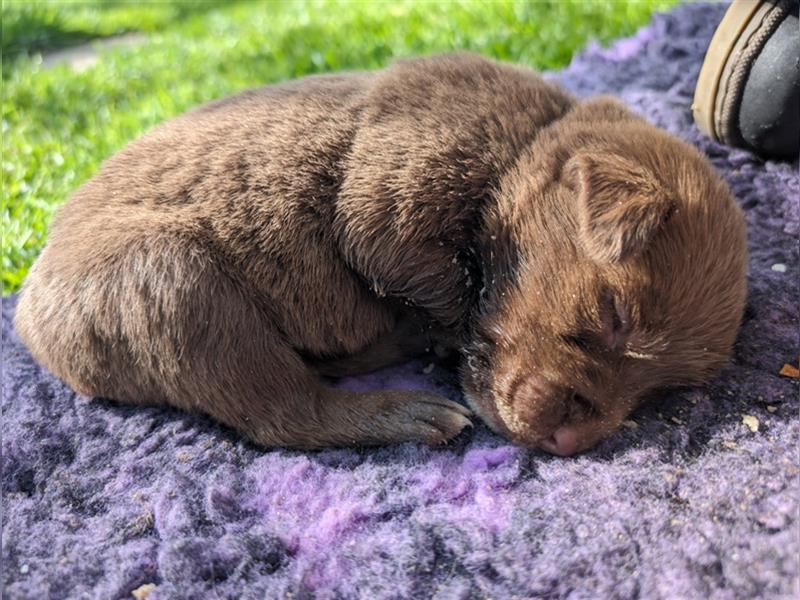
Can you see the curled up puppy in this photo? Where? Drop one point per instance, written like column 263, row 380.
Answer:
column 576, row 257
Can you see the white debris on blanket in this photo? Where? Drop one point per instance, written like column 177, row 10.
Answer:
column 751, row 422
column 143, row 591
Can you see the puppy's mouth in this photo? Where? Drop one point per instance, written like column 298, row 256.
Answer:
column 529, row 409
column 542, row 419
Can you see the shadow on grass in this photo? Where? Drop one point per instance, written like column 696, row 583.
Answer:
column 28, row 28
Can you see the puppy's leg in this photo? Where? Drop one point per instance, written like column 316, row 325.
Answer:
column 166, row 323
column 260, row 386
column 250, row 379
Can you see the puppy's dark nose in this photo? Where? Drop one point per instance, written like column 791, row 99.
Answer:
column 574, row 433
column 557, row 417
column 540, row 403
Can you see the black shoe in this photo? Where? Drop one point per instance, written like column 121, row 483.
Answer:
column 748, row 92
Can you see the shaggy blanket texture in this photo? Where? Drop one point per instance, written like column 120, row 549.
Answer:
column 696, row 498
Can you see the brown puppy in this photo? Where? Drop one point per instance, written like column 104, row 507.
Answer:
column 576, row 256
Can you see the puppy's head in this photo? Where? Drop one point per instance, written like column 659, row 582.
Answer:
column 615, row 265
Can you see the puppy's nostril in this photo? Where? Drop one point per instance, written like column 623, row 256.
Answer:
column 581, row 403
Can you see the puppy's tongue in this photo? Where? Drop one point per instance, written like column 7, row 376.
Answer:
column 563, row 442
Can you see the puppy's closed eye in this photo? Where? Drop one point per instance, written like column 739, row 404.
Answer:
column 614, row 327
column 615, row 321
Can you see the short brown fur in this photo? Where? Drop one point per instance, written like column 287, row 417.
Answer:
column 577, row 258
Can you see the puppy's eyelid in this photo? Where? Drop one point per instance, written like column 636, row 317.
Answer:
column 615, row 321
column 622, row 319
column 615, row 325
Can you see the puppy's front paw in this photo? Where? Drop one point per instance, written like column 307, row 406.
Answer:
column 388, row 417
column 416, row 416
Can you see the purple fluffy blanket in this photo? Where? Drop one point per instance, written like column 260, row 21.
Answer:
column 696, row 498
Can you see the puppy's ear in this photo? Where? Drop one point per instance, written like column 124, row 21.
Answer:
column 621, row 205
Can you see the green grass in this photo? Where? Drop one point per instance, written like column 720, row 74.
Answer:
column 58, row 125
